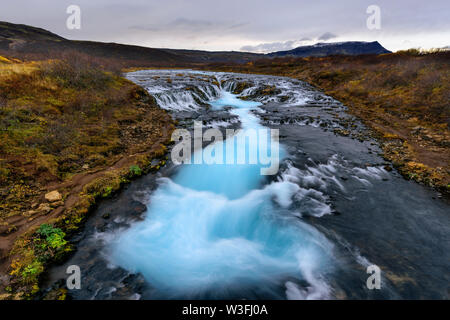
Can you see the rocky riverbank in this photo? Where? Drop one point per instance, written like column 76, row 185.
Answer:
column 72, row 133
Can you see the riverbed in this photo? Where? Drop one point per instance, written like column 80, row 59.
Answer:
column 224, row 231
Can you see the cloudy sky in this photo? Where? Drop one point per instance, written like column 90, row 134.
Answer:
column 242, row 25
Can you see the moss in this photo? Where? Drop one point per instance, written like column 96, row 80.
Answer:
column 31, row 272
column 135, row 171
column 36, row 250
column 241, row 86
column 104, row 186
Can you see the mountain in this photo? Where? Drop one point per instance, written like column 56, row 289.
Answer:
column 31, row 40
column 322, row 49
column 12, row 34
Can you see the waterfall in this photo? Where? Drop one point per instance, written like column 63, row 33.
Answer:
column 224, row 230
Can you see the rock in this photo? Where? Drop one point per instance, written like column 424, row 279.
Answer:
column 44, row 207
column 136, row 208
column 106, row 216
column 53, row 196
column 5, row 296
column 57, row 204
column 387, row 168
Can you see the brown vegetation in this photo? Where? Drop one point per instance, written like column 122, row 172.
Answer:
column 73, row 125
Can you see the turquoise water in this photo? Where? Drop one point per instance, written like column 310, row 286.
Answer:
column 214, row 228
column 235, row 180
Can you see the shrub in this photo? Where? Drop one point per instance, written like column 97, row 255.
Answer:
column 76, row 75
column 54, row 237
column 135, row 170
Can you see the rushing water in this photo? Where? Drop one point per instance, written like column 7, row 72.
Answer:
column 219, row 230
column 226, row 231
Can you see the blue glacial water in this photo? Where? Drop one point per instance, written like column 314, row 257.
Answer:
column 222, row 230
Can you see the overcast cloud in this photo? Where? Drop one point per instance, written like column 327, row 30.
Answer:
column 251, row 25
column 327, row 36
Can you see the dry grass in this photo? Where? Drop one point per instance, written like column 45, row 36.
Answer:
column 60, row 116
column 68, row 122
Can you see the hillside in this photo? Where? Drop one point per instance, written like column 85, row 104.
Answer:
column 35, row 44
column 70, row 132
column 13, row 35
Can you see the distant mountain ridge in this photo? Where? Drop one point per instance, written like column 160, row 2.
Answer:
column 14, row 31
column 323, row 49
column 31, row 40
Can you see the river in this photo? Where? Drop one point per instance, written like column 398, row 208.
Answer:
column 225, row 231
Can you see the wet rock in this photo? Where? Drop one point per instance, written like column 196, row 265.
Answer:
column 106, row 216
column 387, row 168
column 53, row 196
column 136, row 208
column 342, row 132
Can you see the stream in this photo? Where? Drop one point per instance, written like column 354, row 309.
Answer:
column 226, row 231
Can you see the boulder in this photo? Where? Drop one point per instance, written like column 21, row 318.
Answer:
column 53, row 196
column 57, row 204
column 44, row 207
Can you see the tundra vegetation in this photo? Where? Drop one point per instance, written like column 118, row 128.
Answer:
column 72, row 130
column 404, row 97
